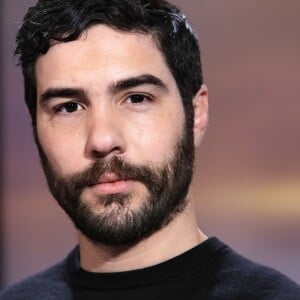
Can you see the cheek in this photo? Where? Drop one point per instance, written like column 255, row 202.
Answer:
column 62, row 149
column 155, row 140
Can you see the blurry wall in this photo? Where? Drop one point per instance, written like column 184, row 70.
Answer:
column 1, row 134
column 248, row 167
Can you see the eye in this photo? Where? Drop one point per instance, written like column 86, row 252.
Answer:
column 138, row 98
column 68, row 107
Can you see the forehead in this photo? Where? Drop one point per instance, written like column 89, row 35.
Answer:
column 102, row 53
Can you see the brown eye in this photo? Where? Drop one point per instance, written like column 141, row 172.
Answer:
column 138, row 98
column 68, row 107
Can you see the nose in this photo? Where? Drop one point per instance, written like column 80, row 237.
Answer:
column 105, row 136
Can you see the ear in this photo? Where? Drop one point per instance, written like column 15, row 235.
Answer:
column 30, row 118
column 200, row 105
column 28, row 114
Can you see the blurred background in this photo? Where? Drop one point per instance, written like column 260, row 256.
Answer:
column 248, row 167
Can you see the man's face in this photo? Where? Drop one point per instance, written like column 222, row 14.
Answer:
column 111, row 133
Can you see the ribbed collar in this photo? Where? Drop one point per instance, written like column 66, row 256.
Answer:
column 201, row 257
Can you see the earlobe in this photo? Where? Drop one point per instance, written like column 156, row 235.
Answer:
column 200, row 105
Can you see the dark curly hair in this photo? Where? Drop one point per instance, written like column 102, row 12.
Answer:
column 66, row 20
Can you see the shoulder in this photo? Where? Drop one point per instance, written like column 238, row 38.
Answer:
column 48, row 285
column 238, row 275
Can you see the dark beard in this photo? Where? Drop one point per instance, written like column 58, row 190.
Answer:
column 167, row 187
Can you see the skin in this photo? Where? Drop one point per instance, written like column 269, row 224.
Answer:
column 103, row 121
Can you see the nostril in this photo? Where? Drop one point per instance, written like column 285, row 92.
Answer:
column 97, row 154
column 103, row 154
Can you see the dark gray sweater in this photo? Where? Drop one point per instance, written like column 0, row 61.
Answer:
column 211, row 270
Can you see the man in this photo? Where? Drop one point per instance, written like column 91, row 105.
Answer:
column 117, row 102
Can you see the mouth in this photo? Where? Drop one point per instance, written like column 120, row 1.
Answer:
column 111, row 183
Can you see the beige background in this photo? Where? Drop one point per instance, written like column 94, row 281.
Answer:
column 248, row 168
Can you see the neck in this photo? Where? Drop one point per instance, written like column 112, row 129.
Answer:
column 177, row 237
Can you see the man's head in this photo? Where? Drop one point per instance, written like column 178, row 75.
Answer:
column 55, row 20
column 113, row 88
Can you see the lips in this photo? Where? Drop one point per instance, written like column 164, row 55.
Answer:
column 109, row 178
column 111, row 183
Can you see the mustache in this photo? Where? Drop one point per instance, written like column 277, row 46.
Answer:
column 121, row 168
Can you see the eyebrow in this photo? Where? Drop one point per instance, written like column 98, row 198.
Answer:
column 114, row 88
column 62, row 93
column 145, row 79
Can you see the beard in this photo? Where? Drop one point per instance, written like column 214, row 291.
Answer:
column 166, row 186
